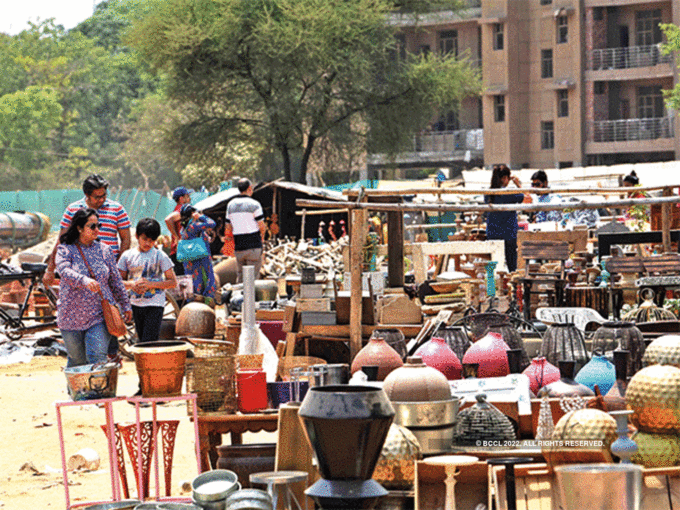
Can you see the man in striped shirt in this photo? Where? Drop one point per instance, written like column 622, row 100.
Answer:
column 112, row 217
column 245, row 220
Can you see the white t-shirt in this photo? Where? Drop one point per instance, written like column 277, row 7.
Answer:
column 151, row 265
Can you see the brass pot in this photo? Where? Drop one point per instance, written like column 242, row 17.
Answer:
column 195, row 320
column 654, row 396
column 396, row 465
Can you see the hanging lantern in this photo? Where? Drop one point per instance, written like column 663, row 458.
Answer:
column 648, row 311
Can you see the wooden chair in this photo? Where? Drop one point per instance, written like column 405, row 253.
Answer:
column 621, row 265
column 544, row 251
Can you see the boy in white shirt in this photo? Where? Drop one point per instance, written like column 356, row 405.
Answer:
column 147, row 272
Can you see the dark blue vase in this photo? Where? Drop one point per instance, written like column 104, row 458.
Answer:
column 600, row 372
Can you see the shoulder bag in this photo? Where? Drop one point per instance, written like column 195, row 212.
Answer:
column 192, row 249
column 112, row 316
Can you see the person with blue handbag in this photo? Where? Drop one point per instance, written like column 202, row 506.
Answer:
column 193, row 250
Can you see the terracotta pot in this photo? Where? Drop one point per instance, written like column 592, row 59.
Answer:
column 167, row 331
column 597, row 372
column 416, row 382
column 395, row 339
column 514, row 340
column 244, row 459
column 541, row 373
column 490, row 354
column 226, row 270
column 196, row 320
column 160, row 366
column 437, row 354
column 377, row 353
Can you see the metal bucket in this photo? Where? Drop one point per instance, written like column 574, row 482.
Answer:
column 602, row 486
column 326, row 375
column 250, row 499
column 92, row 382
column 125, row 504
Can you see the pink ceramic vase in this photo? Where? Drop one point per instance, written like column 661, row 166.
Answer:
column 437, row 354
column 489, row 352
column 377, row 352
column 540, row 373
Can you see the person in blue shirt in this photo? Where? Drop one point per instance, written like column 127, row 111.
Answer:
column 502, row 225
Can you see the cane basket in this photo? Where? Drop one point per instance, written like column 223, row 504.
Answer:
column 212, row 380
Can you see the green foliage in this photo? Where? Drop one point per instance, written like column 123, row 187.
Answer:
column 672, row 33
column 291, row 73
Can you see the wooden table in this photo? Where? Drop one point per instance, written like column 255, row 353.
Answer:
column 211, row 428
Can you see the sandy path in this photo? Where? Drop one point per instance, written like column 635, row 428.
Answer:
column 29, row 432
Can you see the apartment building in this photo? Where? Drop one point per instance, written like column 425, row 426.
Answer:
column 566, row 83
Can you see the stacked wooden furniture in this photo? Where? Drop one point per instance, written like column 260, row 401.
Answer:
column 531, row 282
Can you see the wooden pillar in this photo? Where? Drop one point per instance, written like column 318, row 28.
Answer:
column 357, row 220
column 395, row 249
column 666, row 222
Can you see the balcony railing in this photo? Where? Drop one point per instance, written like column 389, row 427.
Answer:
column 450, row 141
column 630, row 130
column 628, row 57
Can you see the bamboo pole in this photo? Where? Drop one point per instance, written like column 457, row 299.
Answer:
column 503, row 191
column 666, row 222
column 357, row 220
column 320, row 212
column 375, row 206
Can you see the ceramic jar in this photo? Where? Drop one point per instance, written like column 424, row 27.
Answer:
column 664, row 350
column 654, row 396
column 565, row 386
column 541, row 373
column 416, row 382
column 656, row 450
column 377, row 353
column 564, row 341
column 490, row 354
column 196, row 320
column 397, row 462
column 623, row 336
column 395, row 339
column 586, row 425
column 597, row 372
column 514, row 340
column 437, row 354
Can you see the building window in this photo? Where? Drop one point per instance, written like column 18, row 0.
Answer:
column 647, row 30
column 448, row 122
column 600, row 88
column 598, row 13
column 562, row 29
column 448, row 42
column 424, row 50
column 565, row 164
column 546, row 2
column 650, row 103
column 547, row 135
column 499, row 108
column 498, row 36
column 546, row 63
column 563, row 103
column 399, row 50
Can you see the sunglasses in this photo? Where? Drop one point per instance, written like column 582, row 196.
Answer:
column 94, row 226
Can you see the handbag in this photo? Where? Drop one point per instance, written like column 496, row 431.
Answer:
column 191, row 249
column 115, row 324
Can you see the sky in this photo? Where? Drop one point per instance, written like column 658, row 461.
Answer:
column 15, row 14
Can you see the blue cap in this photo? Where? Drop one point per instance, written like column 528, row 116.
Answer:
column 180, row 192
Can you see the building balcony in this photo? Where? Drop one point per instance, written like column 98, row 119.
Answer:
column 438, row 147
column 627, row 58
column 631, row 135
column 470, row 10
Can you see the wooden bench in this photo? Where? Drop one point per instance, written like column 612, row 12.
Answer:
column 544, row 251
column 577, row 239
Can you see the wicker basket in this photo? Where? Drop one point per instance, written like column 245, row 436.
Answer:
column 249, row 361
column 207, row 348
column 203, row 378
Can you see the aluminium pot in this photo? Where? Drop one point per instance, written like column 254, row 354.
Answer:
column 92, row 382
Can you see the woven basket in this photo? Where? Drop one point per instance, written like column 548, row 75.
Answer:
column 249, row 361
column 207, row 348
column 203, row 378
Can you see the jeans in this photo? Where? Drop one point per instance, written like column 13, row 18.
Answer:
column 147, row 322
column 251, row 257
column 88, row 346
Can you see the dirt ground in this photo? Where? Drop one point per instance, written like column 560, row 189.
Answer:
column 30, row 462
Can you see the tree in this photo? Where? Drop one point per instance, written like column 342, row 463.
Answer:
column 292, row 73
column 672, row 33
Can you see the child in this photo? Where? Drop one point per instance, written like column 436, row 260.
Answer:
column 147, row 272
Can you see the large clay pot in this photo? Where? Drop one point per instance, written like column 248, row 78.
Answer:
column 226, row 270
column 416, row 382
column 437, row 354
column 457, row 339
column 623, row 336
column 512, row 337
column 266, row 290
column 597, row 372
column 244, row 459
column 564, row 341
column 394, row 338
column 346, row 426
column 541, row 373
column 160, row 366
column 565, row 386
column 490, row 354
column 377, row 353
column 654, row 396
column 196, row 320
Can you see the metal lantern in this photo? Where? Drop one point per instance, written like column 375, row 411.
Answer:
column 648, row 311
column 564, row 342
column 623, row 336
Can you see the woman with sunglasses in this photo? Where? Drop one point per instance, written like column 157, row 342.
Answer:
column 79, row 310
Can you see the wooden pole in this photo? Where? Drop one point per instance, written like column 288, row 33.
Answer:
column 666, row 222
column 395, row 248
column 302, row 227
column 357, row 220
